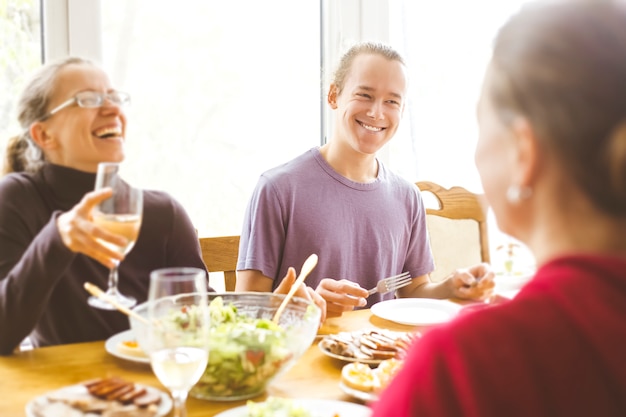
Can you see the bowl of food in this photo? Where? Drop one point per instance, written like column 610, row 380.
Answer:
column 247, row 350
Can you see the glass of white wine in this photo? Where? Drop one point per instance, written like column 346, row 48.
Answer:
column 121, row 214
column 178, row 331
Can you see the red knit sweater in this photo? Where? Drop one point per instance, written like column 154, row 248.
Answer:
column 557, row 349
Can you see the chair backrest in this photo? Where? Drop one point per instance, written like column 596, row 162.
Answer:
column 457, row 228
column 220, row 255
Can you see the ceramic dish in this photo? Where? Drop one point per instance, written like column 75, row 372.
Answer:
column 367, row 396
column 347, row 358
column 318, row 408
column 79, row 390
column 512, row 282
column 373, row 345
column 416, row 311
column 112, row 343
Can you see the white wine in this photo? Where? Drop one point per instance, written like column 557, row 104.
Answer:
column 179, row 368
column 126, row 225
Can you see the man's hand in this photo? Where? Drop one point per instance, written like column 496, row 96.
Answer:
column 340, row 296
column 474, row 283
column 304, row 291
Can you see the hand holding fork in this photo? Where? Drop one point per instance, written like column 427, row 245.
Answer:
column 344, row 295
column 391, row 283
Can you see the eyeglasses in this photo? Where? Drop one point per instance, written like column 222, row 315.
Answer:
column 92, row 99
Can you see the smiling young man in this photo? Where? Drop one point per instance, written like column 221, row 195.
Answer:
column 340, row 202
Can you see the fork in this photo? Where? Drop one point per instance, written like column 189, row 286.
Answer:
column 391, row 283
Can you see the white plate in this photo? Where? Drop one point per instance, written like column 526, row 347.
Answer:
column 164, row 406
column 319, row 408
column 416, row 311
column 112, row 342
column 511, row 282
column 358, row 394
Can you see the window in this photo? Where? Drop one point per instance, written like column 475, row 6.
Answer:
column 20, row 55
column 221, row 91
column 447, row 46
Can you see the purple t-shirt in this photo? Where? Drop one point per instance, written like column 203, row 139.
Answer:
column 361, row 232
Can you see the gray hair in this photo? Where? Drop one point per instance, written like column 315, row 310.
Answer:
column 22, row 153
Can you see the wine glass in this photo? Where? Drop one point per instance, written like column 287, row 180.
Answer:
column 178, row 330
column 121, row 214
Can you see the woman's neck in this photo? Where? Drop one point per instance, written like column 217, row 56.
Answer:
column 577, row 227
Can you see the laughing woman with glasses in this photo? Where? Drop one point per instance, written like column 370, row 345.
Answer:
column 72, row 119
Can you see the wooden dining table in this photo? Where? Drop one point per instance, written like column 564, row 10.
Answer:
column 29, row 374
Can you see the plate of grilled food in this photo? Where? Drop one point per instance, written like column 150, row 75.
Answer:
column 102, row 396
column 367, row 346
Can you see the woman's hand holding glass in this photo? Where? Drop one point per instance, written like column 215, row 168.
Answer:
column 92, row 227
column 79, row 233
column 178, row 334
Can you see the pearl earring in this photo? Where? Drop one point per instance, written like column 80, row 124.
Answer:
column 516, row 193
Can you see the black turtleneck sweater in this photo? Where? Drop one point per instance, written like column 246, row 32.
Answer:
column 41, row 280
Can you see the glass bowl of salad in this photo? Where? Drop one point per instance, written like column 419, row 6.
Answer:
column 247, row 349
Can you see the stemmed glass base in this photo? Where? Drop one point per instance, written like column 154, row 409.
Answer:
column 113, row 295
column 179, row 398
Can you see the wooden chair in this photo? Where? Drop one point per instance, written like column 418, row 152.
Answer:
column 220, row 255
column 457, row 228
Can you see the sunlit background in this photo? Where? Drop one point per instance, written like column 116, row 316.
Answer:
column 223, row 90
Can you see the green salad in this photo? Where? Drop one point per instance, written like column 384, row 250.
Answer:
column 276, row 407
column 244, row 354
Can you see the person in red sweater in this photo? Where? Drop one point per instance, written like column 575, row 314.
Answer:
column 552, row 160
